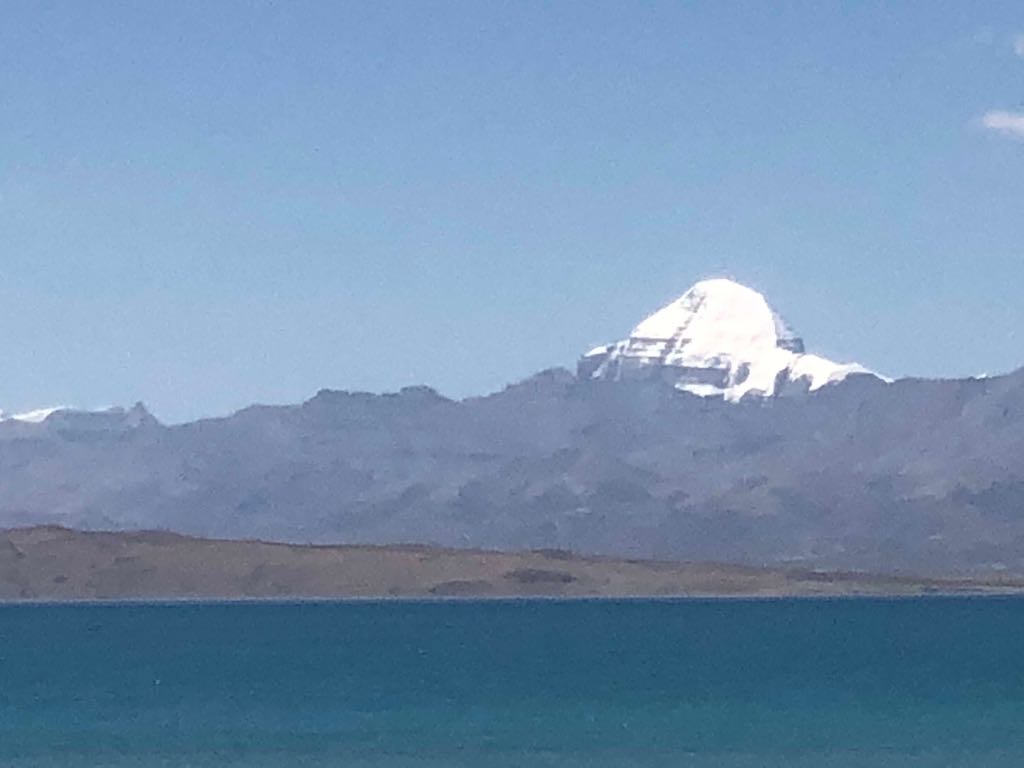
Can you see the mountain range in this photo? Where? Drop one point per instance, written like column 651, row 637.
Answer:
column 708, row 434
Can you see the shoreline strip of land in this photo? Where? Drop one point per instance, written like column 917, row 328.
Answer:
column 54, row 564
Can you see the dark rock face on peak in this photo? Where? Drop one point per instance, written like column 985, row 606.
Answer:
column 916, row 475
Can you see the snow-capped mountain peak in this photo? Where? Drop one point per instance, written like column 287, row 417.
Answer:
column 720, row 338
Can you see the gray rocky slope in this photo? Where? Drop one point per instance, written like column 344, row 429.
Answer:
column 914, row 475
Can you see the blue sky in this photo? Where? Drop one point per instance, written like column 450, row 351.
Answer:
column 204, row 205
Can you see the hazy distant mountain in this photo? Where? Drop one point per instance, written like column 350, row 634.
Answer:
column 858, row 473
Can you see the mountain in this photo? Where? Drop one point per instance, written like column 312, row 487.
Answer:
column 719, row 338
column 843, row 471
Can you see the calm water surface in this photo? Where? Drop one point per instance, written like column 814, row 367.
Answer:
column 931, row 682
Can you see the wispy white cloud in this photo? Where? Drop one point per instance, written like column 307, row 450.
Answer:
column 1018, row 45
column 1006, row 123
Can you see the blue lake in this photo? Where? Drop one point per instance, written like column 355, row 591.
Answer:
column 816, row 683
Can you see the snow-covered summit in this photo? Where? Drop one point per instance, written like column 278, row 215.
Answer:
column 719, row 338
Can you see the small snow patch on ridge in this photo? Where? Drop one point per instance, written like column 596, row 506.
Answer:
column 37, row 416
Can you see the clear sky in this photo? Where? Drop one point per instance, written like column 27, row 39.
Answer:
column 208, row 204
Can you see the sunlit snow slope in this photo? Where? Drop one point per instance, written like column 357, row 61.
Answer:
column 719, row 338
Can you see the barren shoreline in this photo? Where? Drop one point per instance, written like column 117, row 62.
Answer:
column 52, row 564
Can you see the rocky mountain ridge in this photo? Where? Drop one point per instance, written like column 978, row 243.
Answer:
column 915, row 475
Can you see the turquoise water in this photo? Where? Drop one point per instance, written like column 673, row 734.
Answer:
column 931, row 682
